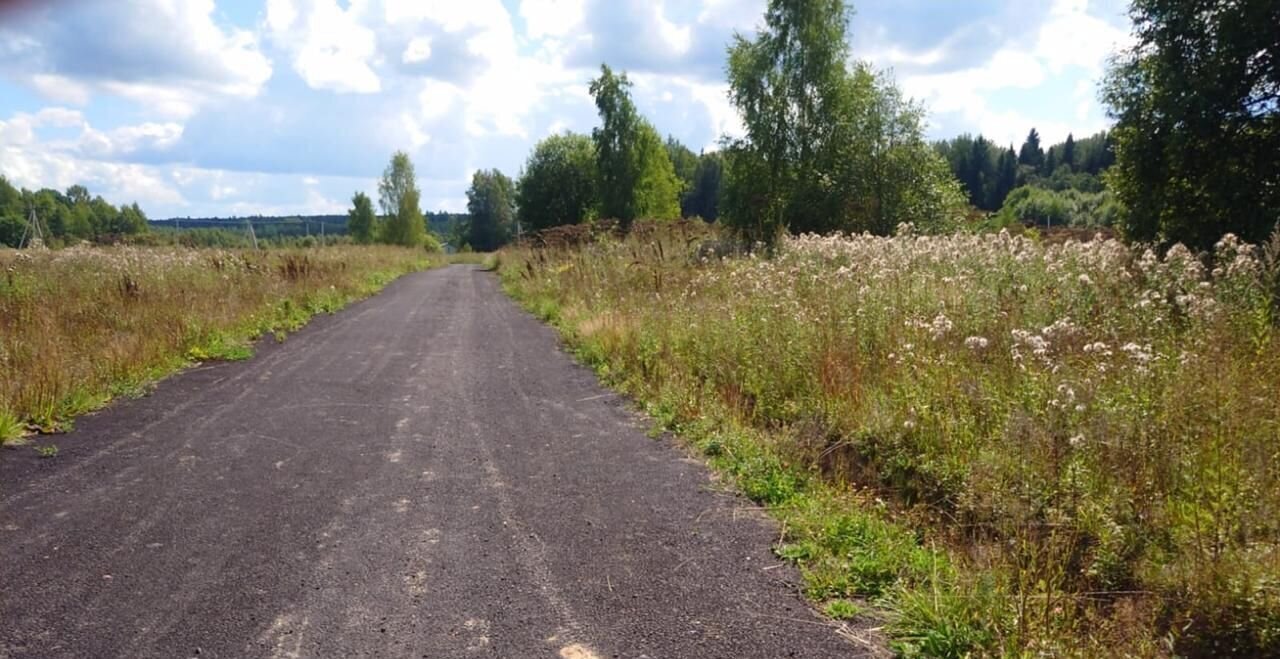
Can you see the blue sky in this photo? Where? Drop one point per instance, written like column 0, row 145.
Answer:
column 234, row 107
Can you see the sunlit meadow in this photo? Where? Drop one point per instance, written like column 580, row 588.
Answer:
column 1079, row 442
column 81, row 325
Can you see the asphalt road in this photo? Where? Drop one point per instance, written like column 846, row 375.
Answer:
column 425, row 474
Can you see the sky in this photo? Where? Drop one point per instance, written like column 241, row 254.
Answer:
column 197, row 108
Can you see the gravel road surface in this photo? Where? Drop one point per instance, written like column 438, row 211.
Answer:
column 425, row 474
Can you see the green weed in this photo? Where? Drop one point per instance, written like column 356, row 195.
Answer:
column 1013, row 447
column 11, row 427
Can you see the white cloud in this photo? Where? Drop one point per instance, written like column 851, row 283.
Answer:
column 60, row 89
column 332, row 49
column 418, row 50
column 122, row 182
column 551, row 18
column 676, row 38
column 176, row 46
column 126, row 140
column 1071, row 44
column 220, row 192
column 1072, row 37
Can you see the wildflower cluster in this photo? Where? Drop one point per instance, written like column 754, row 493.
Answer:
column 1070, row 400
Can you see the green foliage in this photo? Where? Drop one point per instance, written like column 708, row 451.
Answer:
column 47, row 451
column 683, row 161
column 398, row 195
column 949, row 623
column 66, row 218
column 407, row 227
column 987, row 173
column 11, row 427
column 703, row 197
column 361, row 222
column 1085, row 431
column 657, row 191
column 491, row 202
column 558, row 185
column 1048, row 208
column 12, row 227
column 827, row 148
column 397, row 181
column 1031, row 154
column 635, row 173
column 842, row 610
column 1197, row 106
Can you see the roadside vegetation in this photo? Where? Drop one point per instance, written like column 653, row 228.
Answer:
column 1009, row 446
column 1003, row 442
column 81, row 325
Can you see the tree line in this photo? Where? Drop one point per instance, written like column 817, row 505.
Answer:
column 831, row 145
column 989, row 173
column 64, row 217
column 827, row 148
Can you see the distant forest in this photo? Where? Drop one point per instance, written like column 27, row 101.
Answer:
column 1061, row 185
column 233, row 231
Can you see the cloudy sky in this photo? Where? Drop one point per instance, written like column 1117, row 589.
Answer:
column 234, row 107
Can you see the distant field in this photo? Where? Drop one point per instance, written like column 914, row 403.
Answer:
column 1006, row 446
column 79, row 326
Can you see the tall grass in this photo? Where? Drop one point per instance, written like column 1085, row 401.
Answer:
column 1013, row 447
column 81, row 325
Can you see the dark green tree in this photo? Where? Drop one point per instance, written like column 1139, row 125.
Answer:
column 361, row 221
column 491, row 203
column 406, row 227
column 1031, row 154
column 1069, row 152
column 980, row 177
column 1196, row 101
column 683, row 161
column 1006, row 178
column 132, row 220
column 558, row 185
column 1050, row 162
column 635, row 173
column 703, row 199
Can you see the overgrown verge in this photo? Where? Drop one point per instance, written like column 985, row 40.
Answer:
column 82, row 325
column 1006, row 447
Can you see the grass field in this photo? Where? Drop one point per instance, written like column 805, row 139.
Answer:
column 1004, row 446
column 79, row 326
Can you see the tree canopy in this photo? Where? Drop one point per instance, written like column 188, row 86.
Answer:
column 361, row 222
column 491, row 203
column 558, row 185
column 635, row 173
column 398, row 179
column 65, row 218
column 827, row 147
column 399, row 197
column 1196, row 101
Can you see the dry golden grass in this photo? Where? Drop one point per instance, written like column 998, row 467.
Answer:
column 81, row 325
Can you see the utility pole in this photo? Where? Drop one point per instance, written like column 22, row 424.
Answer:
column 251, row 233
column 32, row 235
